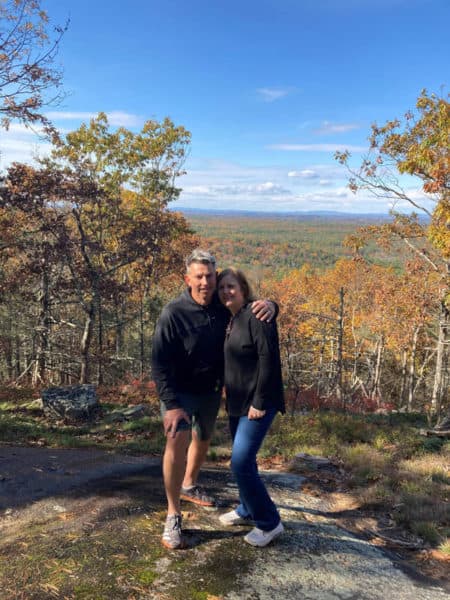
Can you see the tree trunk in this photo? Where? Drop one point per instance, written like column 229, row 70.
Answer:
column 99, row 341
column 119, row 318
column 339, row 364
column 9, row 349
column 17, row 362
column 403, row 381
column 86, row 343
column 320, row 372
column 441, row 350
column 39, row 373
column 141, row 337
column 376, row 390
column 412, row 370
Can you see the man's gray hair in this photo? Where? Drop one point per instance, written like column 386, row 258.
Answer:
column 200, row 256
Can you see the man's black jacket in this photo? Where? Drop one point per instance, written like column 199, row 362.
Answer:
column 187, row 353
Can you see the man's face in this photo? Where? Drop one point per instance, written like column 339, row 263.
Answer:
column 202, row 281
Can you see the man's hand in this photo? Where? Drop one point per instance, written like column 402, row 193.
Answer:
column 255, row 413
column 264, row 310
column 172, row 418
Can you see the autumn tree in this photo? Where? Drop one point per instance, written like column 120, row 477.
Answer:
column 289, row 294
column 110, row 229
column 417, row 146
column 29, row 79
column 88, row 229
column 37, row 237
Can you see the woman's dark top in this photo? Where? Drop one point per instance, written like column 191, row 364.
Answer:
column 252, row 364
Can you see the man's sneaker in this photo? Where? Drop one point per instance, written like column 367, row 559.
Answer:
column 197, row 495
column 258, row 537
column 173, row 536
column 233, row 518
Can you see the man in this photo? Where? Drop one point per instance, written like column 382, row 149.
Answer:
column 187, row 362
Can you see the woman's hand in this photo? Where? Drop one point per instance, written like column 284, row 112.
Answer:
column 255, row 413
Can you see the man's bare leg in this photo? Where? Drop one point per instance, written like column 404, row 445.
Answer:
column 196, row 456
column 174, row 466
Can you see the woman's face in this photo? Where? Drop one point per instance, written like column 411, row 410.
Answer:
column 230, row 293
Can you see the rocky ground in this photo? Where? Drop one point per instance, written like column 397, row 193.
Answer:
column 86, row 524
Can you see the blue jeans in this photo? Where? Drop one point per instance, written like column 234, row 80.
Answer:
column 255, row 502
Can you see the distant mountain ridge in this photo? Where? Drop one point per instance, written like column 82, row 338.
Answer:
column 282, row 214
column 333, row 215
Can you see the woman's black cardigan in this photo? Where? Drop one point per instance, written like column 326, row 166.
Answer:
column 252, row 364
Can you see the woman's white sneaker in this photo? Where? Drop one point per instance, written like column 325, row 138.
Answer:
column 233, row 518
column 258, row 537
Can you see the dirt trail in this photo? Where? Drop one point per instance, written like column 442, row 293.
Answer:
column 27, row 474
column 93, row 518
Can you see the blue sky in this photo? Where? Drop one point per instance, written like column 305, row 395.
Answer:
column 269, row 89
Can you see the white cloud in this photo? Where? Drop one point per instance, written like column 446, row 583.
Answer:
column 272, row 94
column 328, row 127
column 218, row 172
column 337, row 199
column 123, row 119
column 21, row 129
column 304, row 174
column 22, row 144
column 116, row 117
column 209, row 177
column 18, row 150
column 199, row 190
column 70, row 115
column 267, row 188
column 221, row 185
column 316, row 147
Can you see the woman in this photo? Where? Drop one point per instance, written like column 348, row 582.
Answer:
column 254, row 393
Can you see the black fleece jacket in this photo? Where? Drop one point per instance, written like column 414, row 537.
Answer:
column 187, row 353
column 252, row 365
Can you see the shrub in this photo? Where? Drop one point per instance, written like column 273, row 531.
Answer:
column 427, row 531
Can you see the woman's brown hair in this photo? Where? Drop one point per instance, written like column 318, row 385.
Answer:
column 242, row 281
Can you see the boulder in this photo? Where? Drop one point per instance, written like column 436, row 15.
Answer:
column 128, row 414
column 71, row 403
column 444, row 424
column 304, row 461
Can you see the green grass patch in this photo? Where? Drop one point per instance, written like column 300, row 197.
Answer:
column 427, row 531
column 445, row 547
column 22, row 424
column 215, row 576
column 391, row 467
